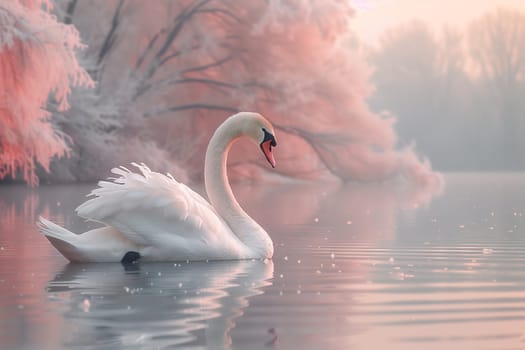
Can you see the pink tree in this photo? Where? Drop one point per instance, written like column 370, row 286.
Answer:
column 179, row 68
column 37, row 58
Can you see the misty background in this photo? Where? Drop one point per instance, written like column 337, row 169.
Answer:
column 458, row 94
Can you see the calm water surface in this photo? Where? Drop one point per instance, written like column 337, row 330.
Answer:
column 355, row 267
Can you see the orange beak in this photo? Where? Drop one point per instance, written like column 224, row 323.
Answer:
column 266, row 147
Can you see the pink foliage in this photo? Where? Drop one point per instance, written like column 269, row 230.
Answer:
column 293, row 62
column 180, row 68
column 37, row 57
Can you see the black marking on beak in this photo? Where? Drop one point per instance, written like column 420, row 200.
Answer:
column 269, row 137
column 266, row 147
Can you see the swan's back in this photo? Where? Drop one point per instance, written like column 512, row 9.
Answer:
column 167, row 219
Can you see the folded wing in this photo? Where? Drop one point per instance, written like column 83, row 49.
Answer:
column 153, row 209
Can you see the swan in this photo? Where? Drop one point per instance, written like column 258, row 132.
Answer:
column 152, row 217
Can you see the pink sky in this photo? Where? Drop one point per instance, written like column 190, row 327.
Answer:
column 374, row 16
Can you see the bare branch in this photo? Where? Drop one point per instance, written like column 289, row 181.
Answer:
column 68, row 18
column 162, row 84
column 207, row 66
column 205, row 106
column 203, row 81
column 223, row 12
column 176, row 54
column 109, row 41
column 150, row 45
column 146, row 87
column 180, row 21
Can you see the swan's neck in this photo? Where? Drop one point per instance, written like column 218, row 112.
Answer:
column 221, row 196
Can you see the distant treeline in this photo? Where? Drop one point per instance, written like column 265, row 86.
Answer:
column 458, row 94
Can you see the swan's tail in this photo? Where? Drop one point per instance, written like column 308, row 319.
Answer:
column 63, row 240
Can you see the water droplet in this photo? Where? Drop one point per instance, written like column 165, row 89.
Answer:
column 86, row 305
column 180, row 284
column 332, row 256
column 316, row 219
column 286, row 258
column 281, row 276
column 159, row 273
column 349, row 222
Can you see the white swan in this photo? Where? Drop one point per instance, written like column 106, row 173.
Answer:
column 155, row 218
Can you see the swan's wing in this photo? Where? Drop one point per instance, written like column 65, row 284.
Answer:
column 152, row 209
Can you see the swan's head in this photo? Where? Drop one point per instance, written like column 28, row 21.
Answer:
column 261, row 131
column 251, row 125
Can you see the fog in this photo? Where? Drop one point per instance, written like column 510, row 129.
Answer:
column 457, row 92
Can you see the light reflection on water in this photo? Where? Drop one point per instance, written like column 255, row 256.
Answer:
column 358, row 266
column 156, row 304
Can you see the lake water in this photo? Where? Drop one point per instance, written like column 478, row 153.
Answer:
column 355, row 267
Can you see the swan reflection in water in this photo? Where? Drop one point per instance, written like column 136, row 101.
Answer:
column 156, row 305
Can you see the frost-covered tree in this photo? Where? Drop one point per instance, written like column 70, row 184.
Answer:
column 176, row 69
column 37, row 59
